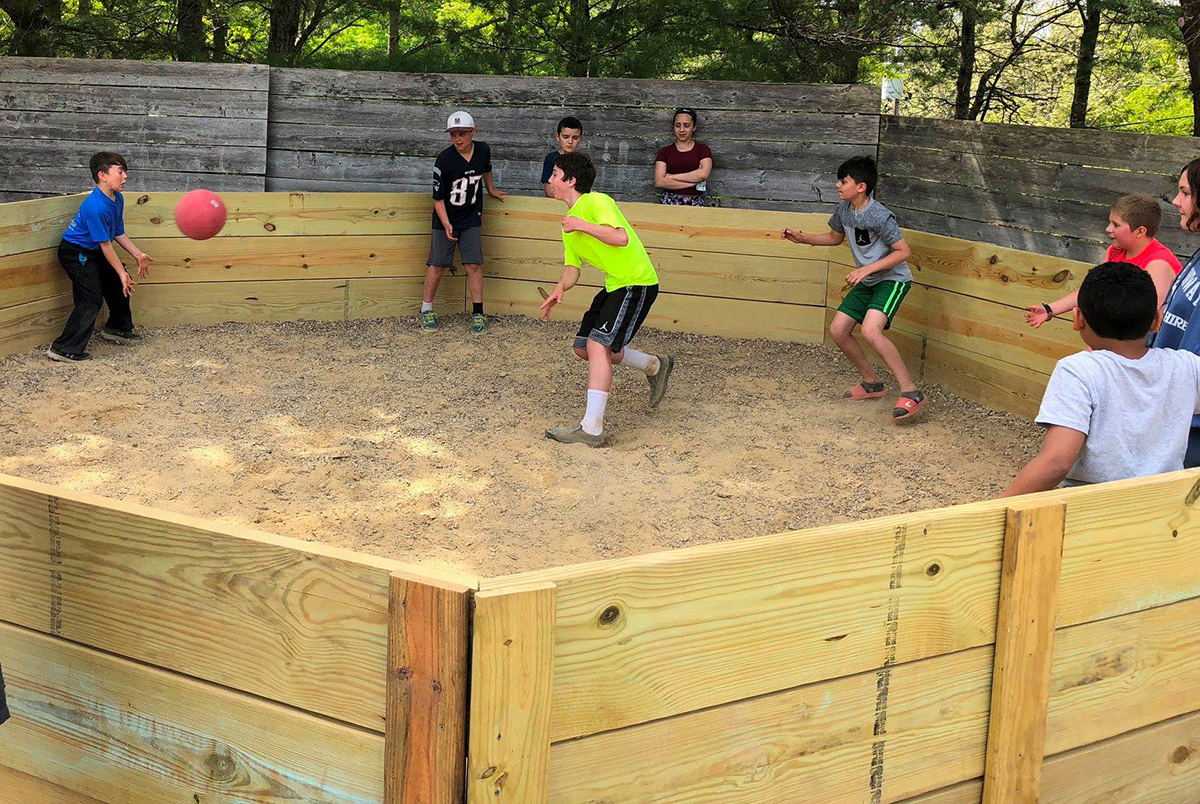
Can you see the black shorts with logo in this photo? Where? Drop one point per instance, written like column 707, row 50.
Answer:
column 615, row 317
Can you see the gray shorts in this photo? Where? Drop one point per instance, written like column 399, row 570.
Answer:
column 441, row 248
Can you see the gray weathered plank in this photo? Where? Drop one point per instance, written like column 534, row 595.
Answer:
column 122, row 101
column 1067, row 246
column 526, row 91
column 64, row 180
column 235, row 159
column 126, row 73
column 86, row 127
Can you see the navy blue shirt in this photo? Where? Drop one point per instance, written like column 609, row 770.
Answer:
column 1181, row 326
column 548, row 166
column 99, row 220
column 460, row 184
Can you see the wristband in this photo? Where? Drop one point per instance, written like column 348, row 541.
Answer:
column 1049, row 312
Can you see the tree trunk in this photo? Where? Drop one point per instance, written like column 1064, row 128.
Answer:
column 847, row 59
column 1189, row 24
column 1086, row 62
column 190, row 44
column 393, row 47
column 282, row 47
column 966, row 60
column 220, row 36
column 579, row 59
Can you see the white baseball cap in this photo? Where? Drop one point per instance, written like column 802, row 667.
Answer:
column 459, row 120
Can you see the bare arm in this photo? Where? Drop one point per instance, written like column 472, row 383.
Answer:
column 110, row 254
column 1049, row 467
column 1164, row 276
column 664, row 182
column 143, row 260
column 570, row 276
column 491, row 188
column 899, row 253
column 610, row 235
column 694, row 176
column 830, row 238
column 439, row 207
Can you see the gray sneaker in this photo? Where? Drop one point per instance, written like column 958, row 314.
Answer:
column 658, row 382
column 67, row 357
column 428, row 321
column 575, row 435
column 116, row 336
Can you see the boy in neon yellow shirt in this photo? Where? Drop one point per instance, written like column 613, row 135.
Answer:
column 595, row 231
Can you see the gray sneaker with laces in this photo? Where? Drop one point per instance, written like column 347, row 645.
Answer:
column 428, row 321
column 575, row 434
column 658, row 382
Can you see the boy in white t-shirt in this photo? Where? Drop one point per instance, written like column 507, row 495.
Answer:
column 1121, row 410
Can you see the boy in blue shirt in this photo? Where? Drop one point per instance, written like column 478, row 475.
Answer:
column 91, row 262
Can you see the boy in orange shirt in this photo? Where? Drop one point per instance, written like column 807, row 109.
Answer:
column 1132, row 226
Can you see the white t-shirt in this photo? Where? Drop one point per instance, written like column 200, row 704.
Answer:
column 1136, row 414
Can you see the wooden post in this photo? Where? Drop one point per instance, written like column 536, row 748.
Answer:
column 1033, row 545
column 512, row 675
column 425, row 732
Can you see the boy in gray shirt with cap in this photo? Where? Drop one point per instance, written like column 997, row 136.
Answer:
column 877, row 285
column 1122, row 409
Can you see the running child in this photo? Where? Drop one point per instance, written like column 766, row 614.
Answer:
column 90, row 261
column 458, row 174
column 595, row 230
column 877, row 286
column 569, row 137
column 1132, row 225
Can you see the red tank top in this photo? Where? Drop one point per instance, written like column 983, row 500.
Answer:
column 1152, row 252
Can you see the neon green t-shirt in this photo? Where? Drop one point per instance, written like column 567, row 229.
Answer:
column 622, row 265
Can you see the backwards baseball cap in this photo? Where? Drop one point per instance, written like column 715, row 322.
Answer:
column 459, row 120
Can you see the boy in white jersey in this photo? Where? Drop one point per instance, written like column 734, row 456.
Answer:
column 596, row 231
column 1122, row 409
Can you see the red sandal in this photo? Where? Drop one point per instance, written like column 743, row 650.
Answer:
column 859, row 392
column 907, row 407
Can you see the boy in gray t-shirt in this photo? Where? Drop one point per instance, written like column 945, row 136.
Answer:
column 876, row 286
column 1121, row 410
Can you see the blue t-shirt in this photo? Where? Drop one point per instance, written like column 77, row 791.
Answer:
column 1180, row 312
column 99, row 220
column 548, row 166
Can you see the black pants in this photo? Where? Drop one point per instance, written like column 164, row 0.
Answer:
column 93, row 282
column 3, row 702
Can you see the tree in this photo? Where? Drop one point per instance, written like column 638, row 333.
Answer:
column 33, row 24
column 1189, row 26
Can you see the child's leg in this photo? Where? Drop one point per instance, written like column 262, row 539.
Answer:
column 433, row 277
column 475, row 282
column 842, row 330
column 441, row 257
column 470, row 249
column 872, row 329
column 88, row 296
column 120, row 317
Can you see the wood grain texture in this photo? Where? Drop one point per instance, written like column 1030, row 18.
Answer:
column 134, row 74
column 162, row 305
column 37, row 223
column 512, row 670
column 31, row 790
column 30, row 276
column 123, row 732
column 1029, row 576
column 820, row 742
column 32, row 324
column 291, row 621
column 427, row 675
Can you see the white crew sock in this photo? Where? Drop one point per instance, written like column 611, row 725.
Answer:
column 640, row 361
column 425, row 307
column 593, row 419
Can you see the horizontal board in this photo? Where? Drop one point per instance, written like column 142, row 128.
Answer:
column 135, row 74
column 1151, row 765
column 181, row 158
column 391, row 298
column 65, row 179
column 816, row 743
column 1066, row 245
column 427, row 123
column 32, row 324
column 997, row 384
column 37, row 223
column 124, row 732
column 287, row 214
column 302, row 257
column 794, row 602
column 164, row 305
column 87, row 127
column 697, row 273
column 291, row 621
column 703, row 315
column 32, row 790
column 31, row 276
column 101, row 99
column 1146, row 153
column 481, row 90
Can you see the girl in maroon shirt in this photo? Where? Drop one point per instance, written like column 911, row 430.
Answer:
column 681, row 169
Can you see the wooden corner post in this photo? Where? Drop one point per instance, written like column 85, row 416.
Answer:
column 1033, row 546
column 425, row 731
column 512, row 674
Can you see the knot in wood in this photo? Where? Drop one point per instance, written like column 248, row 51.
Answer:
column 404, row 673
column 610, row 615
column 143, row 199
column 1061, row 276
column 220, row 767
column 933, row 569
column 486, row 772
column 270, row 227
column 156, row 220
column 1192, row 495
column 1181, row 754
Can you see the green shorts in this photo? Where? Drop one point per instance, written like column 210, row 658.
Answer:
column 884, row 297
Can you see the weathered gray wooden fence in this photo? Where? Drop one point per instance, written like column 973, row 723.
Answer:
column 1047, row 190
column 180, row 125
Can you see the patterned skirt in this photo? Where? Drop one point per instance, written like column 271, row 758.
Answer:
column 678, row 200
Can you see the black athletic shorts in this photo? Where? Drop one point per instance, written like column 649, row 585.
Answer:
column 614, row 318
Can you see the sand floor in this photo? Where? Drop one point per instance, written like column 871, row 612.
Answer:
column 430, row 447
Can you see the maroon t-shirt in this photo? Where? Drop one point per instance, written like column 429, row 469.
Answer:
column 681, row 162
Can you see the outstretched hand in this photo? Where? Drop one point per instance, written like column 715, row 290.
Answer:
column 555, row 297
column 143, row 264
column 793, row 234
column 1036, row 315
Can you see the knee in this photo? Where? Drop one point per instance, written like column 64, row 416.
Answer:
column 840, row 331
column 437, row 270
column 473, row 269
column 872, row 332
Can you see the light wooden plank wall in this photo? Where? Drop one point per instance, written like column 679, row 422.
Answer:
column 179, row 125
column 1044, row 190
column 684, row 674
